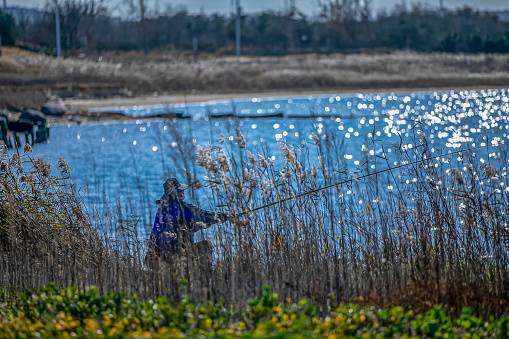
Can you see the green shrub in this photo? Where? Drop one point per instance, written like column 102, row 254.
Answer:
column 67, row 313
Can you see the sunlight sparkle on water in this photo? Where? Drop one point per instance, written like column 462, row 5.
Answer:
column 449, row 120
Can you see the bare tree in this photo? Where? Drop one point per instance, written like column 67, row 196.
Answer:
column 77, row 20
column 137, row 10
column 343, row 18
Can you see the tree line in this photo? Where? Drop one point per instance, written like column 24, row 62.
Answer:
column 342, row 26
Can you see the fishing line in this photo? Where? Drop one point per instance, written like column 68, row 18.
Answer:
column 357, row 178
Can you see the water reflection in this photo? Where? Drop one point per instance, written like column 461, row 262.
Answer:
column 126, row 162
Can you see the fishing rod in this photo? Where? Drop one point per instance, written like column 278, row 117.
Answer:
column 353, row 179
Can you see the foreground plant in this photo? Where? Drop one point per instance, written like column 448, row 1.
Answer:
column 67, row 313
column 45, row 231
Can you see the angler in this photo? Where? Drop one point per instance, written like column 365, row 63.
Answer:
column 176, row 222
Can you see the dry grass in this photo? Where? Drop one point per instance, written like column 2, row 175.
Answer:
column 169, row 74
column 28, row 99
column 441, row 239
column 13, row 52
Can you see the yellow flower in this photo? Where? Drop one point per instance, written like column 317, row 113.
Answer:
column 332, row 336
column 363, row 317
column 175, row 333
column 258, row 331
column 31, row 327
column 208, row 322
column 339, row 319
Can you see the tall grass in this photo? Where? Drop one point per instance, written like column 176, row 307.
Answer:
column 434, row 231
column 146, row 74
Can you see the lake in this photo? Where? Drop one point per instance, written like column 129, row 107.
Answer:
column 126, row 162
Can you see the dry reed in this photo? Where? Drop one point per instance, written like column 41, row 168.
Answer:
column 433, row 233
column 145, row 74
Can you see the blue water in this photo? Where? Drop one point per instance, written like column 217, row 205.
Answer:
column 126, row 162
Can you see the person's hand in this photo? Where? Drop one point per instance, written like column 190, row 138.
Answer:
column 207, row 226
column 223, row 217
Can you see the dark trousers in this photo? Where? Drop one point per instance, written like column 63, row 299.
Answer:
column 201, row 249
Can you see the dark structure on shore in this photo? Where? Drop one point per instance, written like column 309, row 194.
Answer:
column 30, row 123
column 4, row 126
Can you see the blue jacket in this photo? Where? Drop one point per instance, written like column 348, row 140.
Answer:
column 175, row 224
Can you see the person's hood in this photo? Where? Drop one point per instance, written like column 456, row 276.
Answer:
column 171, row 189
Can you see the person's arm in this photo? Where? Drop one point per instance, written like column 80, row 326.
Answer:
column 200, row 217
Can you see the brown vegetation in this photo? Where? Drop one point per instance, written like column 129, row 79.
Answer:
column 442, row 239
column 128, row 74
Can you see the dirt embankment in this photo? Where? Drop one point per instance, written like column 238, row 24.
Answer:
column 28, row 79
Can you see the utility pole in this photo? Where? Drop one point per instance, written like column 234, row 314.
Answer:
column 237, row 31
column 195, row 48
column 5, row 4
column 57, row 29
column 442, row 5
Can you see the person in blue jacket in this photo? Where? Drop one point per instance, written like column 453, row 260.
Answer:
column 176, row 222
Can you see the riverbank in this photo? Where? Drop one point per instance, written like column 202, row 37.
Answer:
column 27, row 79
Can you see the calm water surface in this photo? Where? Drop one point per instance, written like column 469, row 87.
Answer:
column 126, row 162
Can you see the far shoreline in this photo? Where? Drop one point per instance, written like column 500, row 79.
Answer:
column 79, row 110
column 174, row 99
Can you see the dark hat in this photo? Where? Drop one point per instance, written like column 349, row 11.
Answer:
column 171, row 187
column 173, row 183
